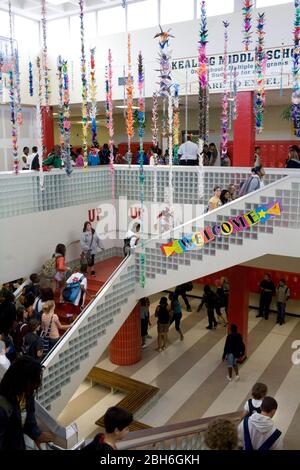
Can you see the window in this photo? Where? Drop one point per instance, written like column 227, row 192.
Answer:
column 175, row 11
column 217, row 7
column 270, row 3
column 27, row 35
column 58, row 37
column 111, row 21
column 142, row 15
column 4, row 21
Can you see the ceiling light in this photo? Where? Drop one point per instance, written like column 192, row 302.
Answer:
column 56, row 2
column 125, row 107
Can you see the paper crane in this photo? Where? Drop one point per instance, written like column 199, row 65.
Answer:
column 163, row 37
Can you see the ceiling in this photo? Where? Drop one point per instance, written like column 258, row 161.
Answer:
column 56, row 8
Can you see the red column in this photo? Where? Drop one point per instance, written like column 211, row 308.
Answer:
column 125, row 348
column 239, row 300
column 48, row 129
column 244, row 131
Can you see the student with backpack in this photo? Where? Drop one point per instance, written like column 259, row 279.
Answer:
column 254, row 182
column 258, row 432
column 32, row 343
column 76, row 287
column 182, row 290
column 89, row 243
column 253, row 405
column 131, row 239
column 61, row 268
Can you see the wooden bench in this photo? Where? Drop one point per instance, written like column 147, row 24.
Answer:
column 138, row 393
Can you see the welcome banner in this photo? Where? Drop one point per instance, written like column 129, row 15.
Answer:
column 237, row 224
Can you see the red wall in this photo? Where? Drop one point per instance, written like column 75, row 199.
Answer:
column 255, row 276
column 274, row 153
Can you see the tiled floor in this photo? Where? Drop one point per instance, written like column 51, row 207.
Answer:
column 192, row 377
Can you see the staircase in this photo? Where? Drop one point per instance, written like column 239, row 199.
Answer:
column 80, row 348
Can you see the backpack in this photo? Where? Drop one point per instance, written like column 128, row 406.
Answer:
column 252, row 408
column 266, row 445
column 126, row 247
column 71, row 291
column 49, row 268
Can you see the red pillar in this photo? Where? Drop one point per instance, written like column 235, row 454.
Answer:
column 125, row 348
column 48, row 129
column 244, row 131
column 239, row 300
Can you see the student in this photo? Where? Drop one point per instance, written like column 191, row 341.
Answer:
column 215, row 159
column 93, row 157
column 232, row 192
column 51, row 324
column 116, row 423
column 25, row 164
column 254, row 182
column 34, row 159
column 32, row 343
column 145, row 319
column 215, row 201
column 61, row 268
column 267, row 289
column 54, row 159
column 89, row 243
column 225, row 197
column 79, row 278
column 17, row 389
column 79, row 161
column 210, row 300
column 257, row 157
column 182, row 290
column 293, row 158
column 176, row 313
column 221, row 435
column 163, row 319
column 104, row 155
column 131, row 239
column 253, row 405
column 283, row 295
column 4, row 362
column 258, row 431
column 233, row 349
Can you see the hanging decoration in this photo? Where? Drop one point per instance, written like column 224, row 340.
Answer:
column 260, row 95
column 19, row 113
column 66, row 119
column 296, row 71
column 142, row 174
column 235, row 92
column 60, row 99
column 109, row 120
column 176, row 123
column 154, row 119
column 247, row 13
column 45, row 55
column 165, row 63
column 1, row 76
column 12, row 96
column 203, row 77
column 224, row 130
column 30, row 79
column 129, row 89
column 93, row 95
column 84, row 91
column 39, row 122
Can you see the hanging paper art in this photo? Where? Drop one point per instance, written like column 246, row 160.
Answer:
column 30, row 79
column 129, row 117
column 66, row 117
column 176, row 123
column 93, row 92
column 296, row 71
column 165, row 64
column 39, row 122
column 19, row 117
column 109, row 120
column 235, row 92
column 45, row 54
column 247, row 13
column 12, row 96
column 203, row 77
column 224, row 130
column 60, row 99
column 154, row 120
column 260, row 94
column 84, row 92
column 142, row 174
column 1, row 83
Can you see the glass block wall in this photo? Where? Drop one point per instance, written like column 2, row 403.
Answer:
column 22, row 195
column 83, row 345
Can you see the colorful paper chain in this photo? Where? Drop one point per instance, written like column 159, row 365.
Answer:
column 176, row 123
column 129, row 90
column 224, row 130
column 39, row 122
column 203, row 76
column 154, row 119
column 18, row 89
column 93, row 95
column 30, row 79
column 67, row 123
column 109, row 120
column 60, row 100
column 141, row 121
column 247, row 13
column 84, row 90
column 12, row 97
column 260, row 95
column 296, row 71
column 45, row 54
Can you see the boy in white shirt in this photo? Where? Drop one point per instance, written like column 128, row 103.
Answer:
column 259, row 391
